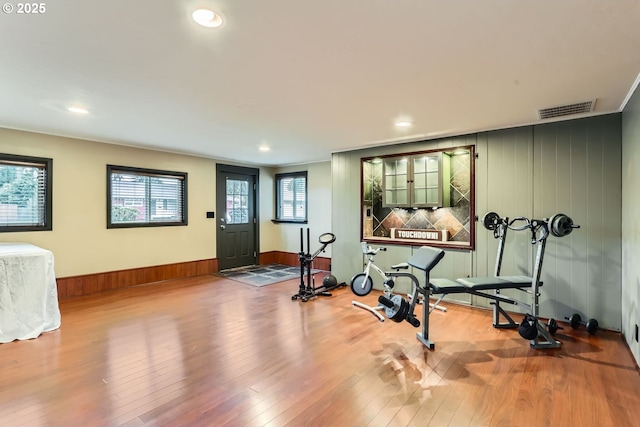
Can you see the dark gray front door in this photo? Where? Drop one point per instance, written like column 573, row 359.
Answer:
column 236, row 219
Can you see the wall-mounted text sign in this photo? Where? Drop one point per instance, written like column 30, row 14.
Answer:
column 413, row 234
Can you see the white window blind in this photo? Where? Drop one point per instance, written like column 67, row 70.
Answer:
column 291, row 195
column 24, row 193
column 146, row 197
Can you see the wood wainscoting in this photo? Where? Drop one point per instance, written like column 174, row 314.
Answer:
column 288, row 258
column 93, row 283
column 88, row 284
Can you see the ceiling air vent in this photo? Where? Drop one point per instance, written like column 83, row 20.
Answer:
column 567, row 110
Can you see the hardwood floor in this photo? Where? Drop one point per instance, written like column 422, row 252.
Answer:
column 210, row 351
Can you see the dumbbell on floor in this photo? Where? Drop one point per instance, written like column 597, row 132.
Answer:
column 575, row 320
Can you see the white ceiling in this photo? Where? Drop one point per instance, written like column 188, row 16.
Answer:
column 308, row 77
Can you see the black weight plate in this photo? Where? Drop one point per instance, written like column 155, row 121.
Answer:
column 560, row 225
column 490, row 220
column 399, row 310
column 592, row 326
column 575, row 320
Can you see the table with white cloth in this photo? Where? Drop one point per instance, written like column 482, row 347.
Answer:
column 28, row 292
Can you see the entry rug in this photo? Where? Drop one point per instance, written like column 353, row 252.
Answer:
column 263, row 275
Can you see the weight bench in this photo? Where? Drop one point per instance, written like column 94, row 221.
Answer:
column 480, row 286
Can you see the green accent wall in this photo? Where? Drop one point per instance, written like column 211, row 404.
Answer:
column 631, row 223
column 570, row 167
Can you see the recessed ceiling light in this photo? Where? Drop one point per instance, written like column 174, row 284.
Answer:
column 208, row 18
column 403, row 124
column 264, row 148
column 77, row 110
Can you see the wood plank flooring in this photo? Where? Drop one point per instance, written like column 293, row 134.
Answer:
column 208, row 351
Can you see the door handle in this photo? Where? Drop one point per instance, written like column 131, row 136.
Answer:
column 222, row 227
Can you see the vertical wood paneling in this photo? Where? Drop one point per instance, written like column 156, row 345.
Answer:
column 584, row 164
column 577, row 170
column 570, row 167
column 611, row 293
column 552, row 164
column 506, row 174
column 481, row 257
column 345, row 215
column 589, row 301
column 631, row 222
column 511, row 190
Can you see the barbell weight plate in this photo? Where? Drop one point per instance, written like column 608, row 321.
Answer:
column 592, row 326
column 404, row 310
column 392, row 312
column 398, row 312
column 552, row 326
column 574, row 320
column 560, row 225
column 490, row 220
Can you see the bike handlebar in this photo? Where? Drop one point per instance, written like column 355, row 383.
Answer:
column 366, row 249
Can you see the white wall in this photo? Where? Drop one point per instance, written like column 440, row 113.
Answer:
column 269, row 232
column 318, row 210
column 80, row 241
column 631, row 222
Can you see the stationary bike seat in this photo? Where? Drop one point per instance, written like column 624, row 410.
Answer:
column 401, row 266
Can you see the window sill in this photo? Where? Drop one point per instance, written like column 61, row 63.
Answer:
column 289, row 221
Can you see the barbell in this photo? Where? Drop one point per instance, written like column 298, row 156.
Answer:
column 560, row 225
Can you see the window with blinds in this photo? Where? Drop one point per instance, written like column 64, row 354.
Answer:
column 291, row 197
column 144, row 197
column 25, row 193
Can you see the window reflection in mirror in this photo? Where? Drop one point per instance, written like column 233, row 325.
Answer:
column 419, row 198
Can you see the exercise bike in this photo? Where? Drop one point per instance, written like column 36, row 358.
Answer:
column 309, row 290
column 362, row 284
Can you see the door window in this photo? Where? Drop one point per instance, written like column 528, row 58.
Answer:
column 237, row 201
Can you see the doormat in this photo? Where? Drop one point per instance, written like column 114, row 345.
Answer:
column 263, row 275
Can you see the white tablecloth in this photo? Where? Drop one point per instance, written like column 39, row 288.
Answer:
column 28, row 292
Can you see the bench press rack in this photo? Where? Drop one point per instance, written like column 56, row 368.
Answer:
column 426, row 258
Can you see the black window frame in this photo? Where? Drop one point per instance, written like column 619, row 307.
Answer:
column 183, row 176
column 47, row 163
column 278, row 178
